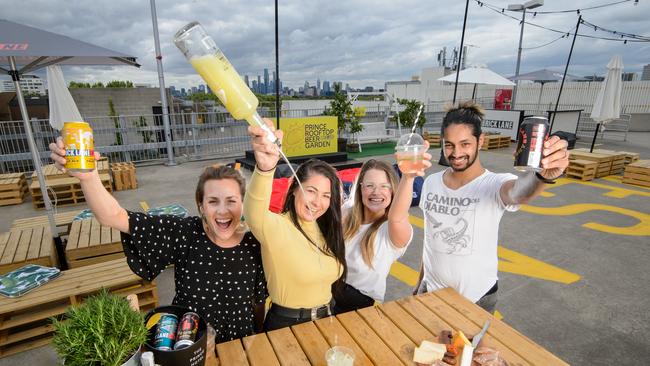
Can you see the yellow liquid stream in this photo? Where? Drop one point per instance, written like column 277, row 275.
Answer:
column 227, row 85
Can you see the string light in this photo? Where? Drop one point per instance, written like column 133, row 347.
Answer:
column 636, row 2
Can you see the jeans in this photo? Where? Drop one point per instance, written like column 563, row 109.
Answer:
column 488, row 302
column 274, row 321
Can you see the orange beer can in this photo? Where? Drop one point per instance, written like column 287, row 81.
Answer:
column 79, row 147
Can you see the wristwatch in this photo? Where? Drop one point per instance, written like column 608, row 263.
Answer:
column 546, row 180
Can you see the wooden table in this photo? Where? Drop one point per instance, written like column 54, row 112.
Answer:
column 61, row 219
column 89, row 242
column 30, row 245
column 384, row 335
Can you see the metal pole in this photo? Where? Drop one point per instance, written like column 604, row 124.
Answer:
column 521, row 38
column 161, row 81
column 277, row 70
column 15, row 76
column 460, row 54
column 566, row 68
column 593, row 142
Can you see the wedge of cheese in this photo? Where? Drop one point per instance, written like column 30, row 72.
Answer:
column 464, row 348
column 429, row 352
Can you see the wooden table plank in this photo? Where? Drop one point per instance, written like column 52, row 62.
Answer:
column 4, row 239
column 514, row 340
column 287, row 348
column 336, row 335
column 106, row 235
column 73, row 238
column 35, row 247
column 23, row 245
column 406, row 323
column 259, row 350
column 371, row 343
column 459, row 322
column 47, row 245
column 312, row 342
column 84, row 234
column 95, row 233
column 10, row 248
column 116, row 236
column 231, row 353
column 390, row 333
column 432, row 322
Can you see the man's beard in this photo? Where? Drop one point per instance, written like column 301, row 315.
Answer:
column 469, row 162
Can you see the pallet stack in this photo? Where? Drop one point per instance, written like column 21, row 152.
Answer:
column 618, row 160
column 62, row 189
column 25, row 321
column 124, row 176
column 13, row 188
column 89, row 242
column 630, row 157
column 491, row 142
column 604, row 161
column 433, row 138
column 638, row 173
column 582, row 169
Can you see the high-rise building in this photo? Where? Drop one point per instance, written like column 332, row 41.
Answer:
column 183, row 92
column 255, row 86
column 173, row 91
column 31, row 84
column 195, row 90
column 347, row 87
column 326, row 87
column 628, row 76
column 246, row 81
column 202, row 88
column 646, row 72
column 306, row 85
column 318, row 86
column 265, row 88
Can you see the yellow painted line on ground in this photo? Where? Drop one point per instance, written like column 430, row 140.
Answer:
column 640, row 229
column 614, row 191
column 144, row 205
column 510, row 262
column 618, row 179
column 517, row 263
column 498, row 315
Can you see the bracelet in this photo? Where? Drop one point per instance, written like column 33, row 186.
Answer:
column 546, row 180
column 263, row 171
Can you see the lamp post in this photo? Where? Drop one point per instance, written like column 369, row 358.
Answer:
column 532, row 4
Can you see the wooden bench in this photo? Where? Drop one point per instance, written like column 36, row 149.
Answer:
column 63, row 220
column 32, row 245
column 491, row 142
column 582, row 169
column 604, row 161
column 63, row 190
column 376, row 132
column 124, row 176
column 25, row 321
column 433, row 138
column 13, row 189
column 89, row 242
column 386, row 334
column 638, row 173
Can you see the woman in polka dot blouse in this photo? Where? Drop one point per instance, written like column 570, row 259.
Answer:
column 302, row 249
column 217, row 264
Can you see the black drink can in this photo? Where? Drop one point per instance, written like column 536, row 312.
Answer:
column 187, row 329
column 533, row 132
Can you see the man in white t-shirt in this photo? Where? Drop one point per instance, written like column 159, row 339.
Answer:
column 463, row 205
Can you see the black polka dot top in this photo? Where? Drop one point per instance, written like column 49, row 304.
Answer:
column 220, row 284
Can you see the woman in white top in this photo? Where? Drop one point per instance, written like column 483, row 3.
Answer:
column 377, row 231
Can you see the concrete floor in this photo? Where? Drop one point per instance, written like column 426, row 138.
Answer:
column 601, row 319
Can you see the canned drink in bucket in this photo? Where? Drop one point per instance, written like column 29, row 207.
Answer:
column 166, row 332
column 533, row 132
column 79, row 146
column 187, row 329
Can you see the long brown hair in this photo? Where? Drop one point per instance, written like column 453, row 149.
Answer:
column 330, row 222
column 355, row 217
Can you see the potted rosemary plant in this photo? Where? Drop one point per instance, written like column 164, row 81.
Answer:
column 104, row 330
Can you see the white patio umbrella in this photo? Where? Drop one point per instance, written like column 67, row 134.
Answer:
column 607, row 106
column 477, row 75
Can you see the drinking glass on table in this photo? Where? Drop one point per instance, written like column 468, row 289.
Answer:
column 339, row 356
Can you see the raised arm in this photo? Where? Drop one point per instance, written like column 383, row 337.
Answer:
column 399, row 227
column 103, row 205
column 529, row 186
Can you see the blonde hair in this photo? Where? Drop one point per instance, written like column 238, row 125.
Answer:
column 355, row 217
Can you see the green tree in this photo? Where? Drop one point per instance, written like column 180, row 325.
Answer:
column 341, row 107
column 98, row 84
column 407, row 116
column 116, row 121
column 119, row 84
column 141, row 122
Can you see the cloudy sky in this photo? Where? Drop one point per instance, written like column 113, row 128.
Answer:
column 360, row 42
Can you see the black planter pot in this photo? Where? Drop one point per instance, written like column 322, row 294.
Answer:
column 353, row 148
column 193, row 355
column 341, row 144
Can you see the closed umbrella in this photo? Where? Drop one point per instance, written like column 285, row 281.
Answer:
column 25, row 49
column 607, row 106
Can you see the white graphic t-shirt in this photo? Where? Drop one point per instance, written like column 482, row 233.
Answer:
column 461, row 233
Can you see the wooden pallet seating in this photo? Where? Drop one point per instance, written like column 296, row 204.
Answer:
column 638, row 173
column 618, row 160
column 64, row 190
column 33, row 245
column 25, row 321
column 433, row 138
column 90, row 242
column 63, row 220
column 491, row 142
column 50, row 172
column 582, row 169
column 13, row 188
column 604, row 161
column 630, row 157
column 124, row 176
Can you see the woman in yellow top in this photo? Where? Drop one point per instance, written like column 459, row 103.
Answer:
column 303, row 250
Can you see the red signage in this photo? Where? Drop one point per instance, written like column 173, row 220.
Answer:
column 502, row 98
column 13, row 46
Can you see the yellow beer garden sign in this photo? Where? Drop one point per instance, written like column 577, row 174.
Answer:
column 309, row 135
